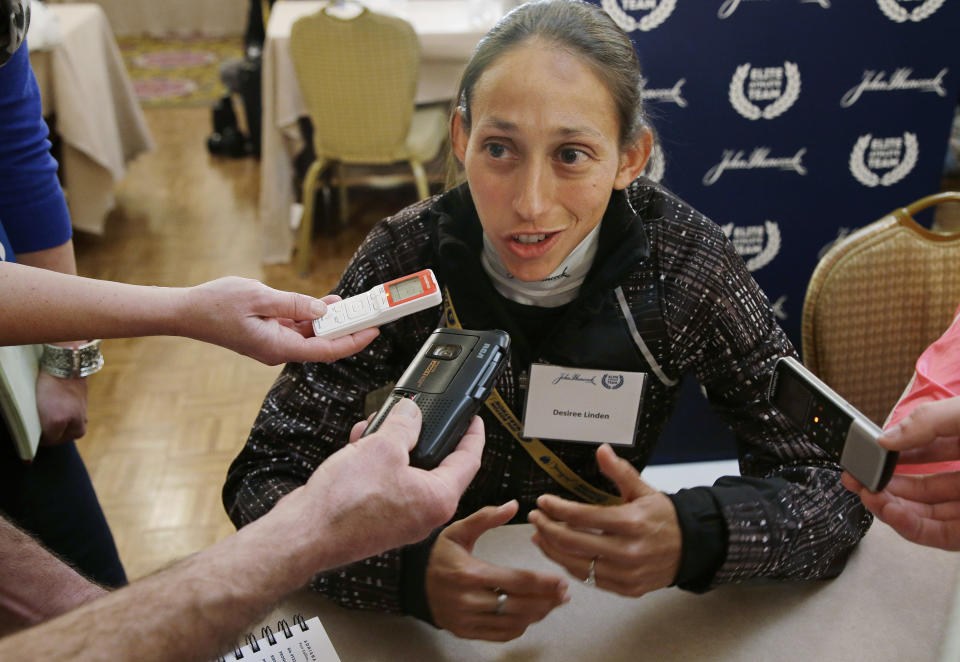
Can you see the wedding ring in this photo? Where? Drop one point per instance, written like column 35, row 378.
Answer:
column 591, row 579
column 501, row 603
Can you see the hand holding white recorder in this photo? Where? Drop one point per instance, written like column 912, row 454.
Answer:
column 384, row 303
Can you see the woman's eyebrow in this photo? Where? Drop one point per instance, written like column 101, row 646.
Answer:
column 565, row 131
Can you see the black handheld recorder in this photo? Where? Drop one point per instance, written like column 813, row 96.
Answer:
column 449, row 379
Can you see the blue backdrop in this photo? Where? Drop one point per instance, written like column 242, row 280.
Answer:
column 790, row 123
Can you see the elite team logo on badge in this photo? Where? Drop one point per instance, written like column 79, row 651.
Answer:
column 757, row 244
column 612, row 382
column 659, row 11
column 895, row 10
column 897, row 155
column 779, row 85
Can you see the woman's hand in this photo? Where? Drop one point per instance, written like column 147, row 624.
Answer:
column 634, row 548
column 924, row 509
column 464, row 592
column 269, row 325
column 62, row 406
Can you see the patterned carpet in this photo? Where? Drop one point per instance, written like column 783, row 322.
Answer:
column 177, row 72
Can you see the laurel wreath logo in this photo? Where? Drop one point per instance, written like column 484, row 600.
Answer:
column 750, row 110
column 899, row 14
column 859, row 169
column 770, row 250
column 649, row 22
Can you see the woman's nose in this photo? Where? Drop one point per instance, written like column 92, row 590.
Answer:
column 534, row 192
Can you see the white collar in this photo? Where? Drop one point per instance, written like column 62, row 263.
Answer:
column 559, row 288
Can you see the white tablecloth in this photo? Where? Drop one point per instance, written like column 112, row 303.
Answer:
column 891, row 604
column 448, row 31
column 83, row 82
column 212, row 18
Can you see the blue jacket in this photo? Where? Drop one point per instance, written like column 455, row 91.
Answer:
column 33, row 211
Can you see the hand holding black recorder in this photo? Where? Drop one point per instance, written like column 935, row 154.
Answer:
column 449, row 379
column 832, row 423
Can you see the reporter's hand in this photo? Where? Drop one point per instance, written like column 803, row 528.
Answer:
column 924, row 509
column 62, row 406
column 462, row 591
column 269, row 325
column 366, row 498
column 635, row 547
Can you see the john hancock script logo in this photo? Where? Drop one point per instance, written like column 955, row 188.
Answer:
column 776, row 87
column 759, row 159
column 727, row 7
column 658, row 12
column 900, row 79
column 896, row 155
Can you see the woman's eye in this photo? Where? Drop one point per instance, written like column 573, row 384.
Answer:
column 571, row 156
column 496, row 150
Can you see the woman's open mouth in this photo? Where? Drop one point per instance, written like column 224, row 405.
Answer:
column 529, row 245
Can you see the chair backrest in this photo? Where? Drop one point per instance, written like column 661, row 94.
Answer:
column 358, row 77
column 875, row 301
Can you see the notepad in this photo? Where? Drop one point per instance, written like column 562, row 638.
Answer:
column 304, row 641
column 18, row 397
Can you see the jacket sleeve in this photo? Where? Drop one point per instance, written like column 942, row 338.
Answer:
column 307, row 416
column 788, row 516
column 33, row 211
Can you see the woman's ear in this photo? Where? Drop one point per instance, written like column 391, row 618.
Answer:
column 459, row 136
column 633, row 160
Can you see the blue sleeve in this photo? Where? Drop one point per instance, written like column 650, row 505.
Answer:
column 33, row 210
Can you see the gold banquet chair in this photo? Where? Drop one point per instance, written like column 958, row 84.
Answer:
column 875, row 301
column 358, row 77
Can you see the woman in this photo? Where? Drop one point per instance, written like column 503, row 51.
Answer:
column 555, row 239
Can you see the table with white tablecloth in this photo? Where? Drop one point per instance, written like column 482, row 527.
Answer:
column 211, row 18
column 84, row 84
column 448, row 31
column 893, row 602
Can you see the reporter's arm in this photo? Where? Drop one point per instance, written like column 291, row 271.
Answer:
column 44, row 586
column 237, row 313
column 363, row 500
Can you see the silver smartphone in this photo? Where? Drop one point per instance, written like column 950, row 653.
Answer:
column 832, row 423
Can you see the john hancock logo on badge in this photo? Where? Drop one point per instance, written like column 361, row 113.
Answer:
column 658, row 12
column 612, row 382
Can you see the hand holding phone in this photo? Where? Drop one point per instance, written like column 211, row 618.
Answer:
column 381, row 304
column 832, row 423
column 449, row 379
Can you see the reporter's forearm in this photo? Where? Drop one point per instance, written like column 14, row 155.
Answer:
column 44, row 306
column 194, row 610
column 34, row 584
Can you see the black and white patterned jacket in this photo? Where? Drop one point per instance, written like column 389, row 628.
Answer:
column 697, row 310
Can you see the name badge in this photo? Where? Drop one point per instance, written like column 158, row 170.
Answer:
column 576, row 404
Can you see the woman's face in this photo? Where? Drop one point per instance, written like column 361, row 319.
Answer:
column 542, row 155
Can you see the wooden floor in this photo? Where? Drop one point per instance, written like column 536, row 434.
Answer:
column 167, row 415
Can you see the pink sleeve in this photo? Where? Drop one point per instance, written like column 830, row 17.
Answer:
column 937, row 376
